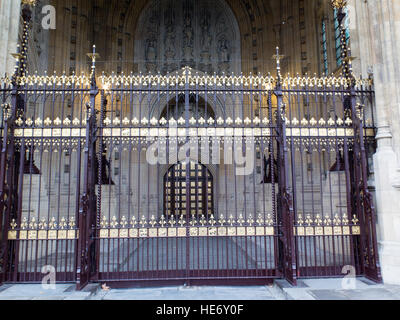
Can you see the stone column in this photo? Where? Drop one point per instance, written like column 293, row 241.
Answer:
column 9, row 26
column 384, row 35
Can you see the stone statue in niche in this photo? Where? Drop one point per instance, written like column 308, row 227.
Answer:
column 151, row 52
column 206, row 42
column 223, row 55
column 188, row 34
column 223, row 50
column 206, row 35
column 151, row 55
column 170, row 37
column 221, row 25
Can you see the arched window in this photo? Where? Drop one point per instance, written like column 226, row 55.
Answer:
column 338, row 44
column 197, row 108
column 324, row 44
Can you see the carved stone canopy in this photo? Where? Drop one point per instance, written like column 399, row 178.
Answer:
column 203, row 35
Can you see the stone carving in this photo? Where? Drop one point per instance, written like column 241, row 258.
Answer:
column 169, row 43
column 187, row 35
column 206, row 42
column 151, row 49
column 172, row 34
column 223, row 55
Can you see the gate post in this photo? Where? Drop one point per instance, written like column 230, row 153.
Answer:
column 364, row 208
column 86, row 259
column 10, row 164
column 287, row 259
column 362, row 204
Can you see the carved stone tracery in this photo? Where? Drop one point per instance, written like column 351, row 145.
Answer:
column 172, row 35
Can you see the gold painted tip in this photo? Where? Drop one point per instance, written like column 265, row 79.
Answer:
column 339, row 4
column 17, row 55
column 349, row 59
column 29, row 2
column 93, row 55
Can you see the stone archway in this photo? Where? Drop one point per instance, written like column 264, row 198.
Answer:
column 203, row 35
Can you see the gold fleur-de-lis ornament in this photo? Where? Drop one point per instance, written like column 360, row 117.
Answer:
column 72, row 223
column 13, row 224
column 250, row 220
column 203, row 221
column 193, row 222
column 162, row 221
column 172, row 221
column 123, row 222
column 240, row 220
column 260, row 220
column 143, row 221
column 152, row 221
column 33, row 224
column 181, row 220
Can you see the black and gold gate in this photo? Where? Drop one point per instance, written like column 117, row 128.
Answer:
column 183, row 197
column 185, row 177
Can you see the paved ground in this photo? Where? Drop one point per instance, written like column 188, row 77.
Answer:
column 338, row 289
column 313, row 289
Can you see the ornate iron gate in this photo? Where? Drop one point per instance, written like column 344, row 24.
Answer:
column 224, row 226
column 185, row 177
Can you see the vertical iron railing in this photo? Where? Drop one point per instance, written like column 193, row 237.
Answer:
column 87, row 220
column 10, row 171
column 285, row 200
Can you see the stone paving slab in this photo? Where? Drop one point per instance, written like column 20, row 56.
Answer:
column 309, row 289
column 332, row 289
column 37, row 292
column 191, row 293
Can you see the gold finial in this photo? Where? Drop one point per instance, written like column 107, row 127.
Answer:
column 53, row 223
column 72, row 223
column 278, row 57
column 250, row 220
column 182, row 220
column 93, row 55
column 260, row 220
column 143, row 221
column 240, row 221
column 269, row 221
column 152, row 221
column 339, row 4
column 212, row 220
column 29, row 2
column 309, row 221
column 17, row 56
column 203, row 221
column 231, row 221
column 13, row 224
column 172, row 221
column 162, row 221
